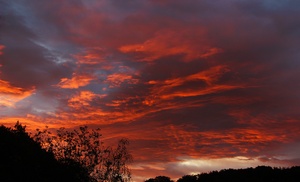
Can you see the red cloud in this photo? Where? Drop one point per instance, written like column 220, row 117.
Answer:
column 166, row 43
column 116, row 79
column 9, row 95
column 75, row 82
column 83, row 99
column 92, row 56
column 181, row 87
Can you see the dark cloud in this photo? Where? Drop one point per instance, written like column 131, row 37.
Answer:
column 25, row 63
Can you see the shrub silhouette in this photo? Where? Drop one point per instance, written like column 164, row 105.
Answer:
column 22, row 159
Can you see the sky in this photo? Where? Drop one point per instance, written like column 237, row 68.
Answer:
column 195, row 85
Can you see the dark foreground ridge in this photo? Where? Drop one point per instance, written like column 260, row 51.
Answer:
column 258, row 174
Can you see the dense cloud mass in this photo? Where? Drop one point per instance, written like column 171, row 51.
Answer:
column 195, row 85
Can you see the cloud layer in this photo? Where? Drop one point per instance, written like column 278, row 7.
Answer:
column 197, row 85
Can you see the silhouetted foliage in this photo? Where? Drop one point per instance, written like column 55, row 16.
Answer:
column 258, row 174
column 188, row 178
column 22, row 159
column 159, row 179
column 85, row 147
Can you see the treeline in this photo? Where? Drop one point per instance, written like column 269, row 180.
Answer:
column 68, row 156
column 258, row 174
column 80, row 156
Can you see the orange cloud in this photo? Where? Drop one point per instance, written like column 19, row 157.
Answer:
column 166, row 43
column 31, row 122
column 91, row 57
column 117, row 103
column 171, row 88
column 83, row 99
column 9, row 95
column 116, row 79
column 83, row 110
column 240, row 141
column 191, row 93
column 75, row 82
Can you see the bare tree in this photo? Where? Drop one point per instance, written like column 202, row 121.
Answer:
column 84, row 146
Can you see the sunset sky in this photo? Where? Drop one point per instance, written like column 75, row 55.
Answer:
column 195, row 85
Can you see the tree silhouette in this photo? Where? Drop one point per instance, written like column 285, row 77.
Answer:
column 258, row 174
column 188, row 178
column 22, row 159
column 159, row 179
column 85, row 147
